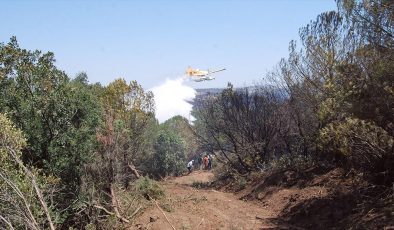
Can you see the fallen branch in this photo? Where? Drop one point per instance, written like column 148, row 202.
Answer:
column 134, row 170
column 30, row 217
column 135, row 212
column 199, row 223
column 104, row 209
column 115, row 205
column 7, row 222
column 111, row 213
column 161, row 210
column 35, row 186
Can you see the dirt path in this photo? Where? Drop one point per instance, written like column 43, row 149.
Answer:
column 190, row 208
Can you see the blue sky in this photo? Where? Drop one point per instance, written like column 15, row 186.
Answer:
column 150, row 41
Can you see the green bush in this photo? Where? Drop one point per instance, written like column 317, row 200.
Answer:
column 19, row 203
column 169, row 157
column 363, row 144
column 241, row 183
column 295, row 161
column 149, row 188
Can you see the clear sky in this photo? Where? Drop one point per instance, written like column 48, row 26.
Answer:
column 150, row 41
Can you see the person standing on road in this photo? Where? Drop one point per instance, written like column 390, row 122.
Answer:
column 199, row 161
column 205, row 161
column 209, row 161
column 190, row 166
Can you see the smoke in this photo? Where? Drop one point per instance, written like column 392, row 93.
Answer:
column 171, row 99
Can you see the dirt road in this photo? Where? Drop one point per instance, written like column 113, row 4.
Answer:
column 189, row 208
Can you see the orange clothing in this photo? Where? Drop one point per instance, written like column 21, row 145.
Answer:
column 205, row 161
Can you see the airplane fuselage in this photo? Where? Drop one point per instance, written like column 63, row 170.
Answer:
column 201, row 75
column 198, row 73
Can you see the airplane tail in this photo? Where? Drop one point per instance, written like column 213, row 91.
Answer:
column 189, row 71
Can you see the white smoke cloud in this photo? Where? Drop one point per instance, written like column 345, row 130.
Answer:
column 171, row 99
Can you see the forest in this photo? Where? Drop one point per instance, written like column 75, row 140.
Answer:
column 81, row 155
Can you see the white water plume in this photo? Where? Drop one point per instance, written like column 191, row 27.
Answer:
column 171, row 99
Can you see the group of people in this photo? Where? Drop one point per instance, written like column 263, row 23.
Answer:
column 204, row 162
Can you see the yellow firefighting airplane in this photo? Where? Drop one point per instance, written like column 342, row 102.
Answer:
column 201, row 75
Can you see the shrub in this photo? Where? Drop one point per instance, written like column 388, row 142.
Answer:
column 22, row 204
column 242, row 182
column 149, row 188
column 169, row 157
column 296, row 162
column 362, row 144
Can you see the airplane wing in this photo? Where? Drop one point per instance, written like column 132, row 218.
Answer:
column 215, row 71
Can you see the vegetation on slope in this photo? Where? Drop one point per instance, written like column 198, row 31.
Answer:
column 71, row 150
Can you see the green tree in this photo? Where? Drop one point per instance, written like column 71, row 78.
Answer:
column 122, row 137
column 182, row 127
column 129, row 111
column 169, row 157
column 57, row 115
column 361, row 102
column 340, row 85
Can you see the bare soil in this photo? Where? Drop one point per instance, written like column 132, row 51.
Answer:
column 312, row 199
column 190, row 208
